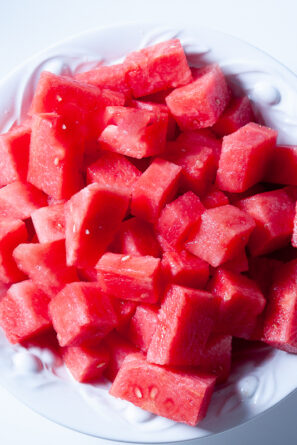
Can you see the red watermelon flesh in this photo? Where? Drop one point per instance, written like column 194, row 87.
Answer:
column 254, row 190
column 281, row 167
column 12, row 233
column 125, row 310
column 214, row 198
column 154, row 188
column 49, row 223
column 186, row 319
column 86, row 363
column 200, row 103
column 274, row 214
column 137, row 133
column 203, row 138
column 92, row 217
column 223, row 233
column 3, row 289
column 244, row 156
column 294, row 235
column 215, row 358
column 143, row 325
column 157, row 68
column 239, row 263
column 46, row 265
column 24, row 312
column 263, row 270
column 82, row 314
column 238, row 113
column 179, row 395
column 130, row 277
column 119, row 348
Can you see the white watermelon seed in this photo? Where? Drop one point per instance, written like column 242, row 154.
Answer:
column 64, row 127
column 100, row 365
column 73, row 228
column 125, row 258
column 153, row 392
column 138, row 393
column 56, row 161
column 87, row 232
column 218, row 101
column 59, row 98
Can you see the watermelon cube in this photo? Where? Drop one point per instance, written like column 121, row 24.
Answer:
column 143, row 325
column 281, row 167
column 240, row 300
column 137, row 133
column 186, row 319
column 203, row 138
column 119, row 348
column 92, row 217
column 274, row 214
column 238, row 113
column 200, row 103
column 215, row 358
column 14, row 154
column 185, row 269
column 125, row 310
column 177, row 219
column 12, row 233
column 179, row 395
column 86, row 363
column 215, row 198
column 244, row 156
column 130, row 277
column 223, row 233
column 239, row 263
column 49, row 223
column 157, row 68
column 24, row 312
column 46, row 265
column 82, row 313
column 154, row 188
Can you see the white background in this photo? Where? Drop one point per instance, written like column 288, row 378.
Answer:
column 27, row 26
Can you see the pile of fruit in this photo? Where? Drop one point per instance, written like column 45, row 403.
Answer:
column 146, row 219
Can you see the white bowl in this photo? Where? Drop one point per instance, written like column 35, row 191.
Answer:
column 266, row 376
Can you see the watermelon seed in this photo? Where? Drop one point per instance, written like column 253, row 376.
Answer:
column 153, row 392
column 138, row 393
column 218, row 101
column 74, row 228
column 59, row 98
column 64, row 127
column 59, row 225
column 125, row 258
column 56, row 161
column 100, row 365
column 87, row 232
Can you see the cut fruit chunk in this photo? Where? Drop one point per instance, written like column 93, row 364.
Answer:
column 130, row 277
column 215, row 358
column 223, row 233
column 24, row 312
column 186, row 319
column 281, row 166
column 238, row 113
column 175, row 394
column 12, row 233
column 49, row 223
column 215, row 198
column 125, row 310
column 119, row 348
column 82, row 314
column 143, row 325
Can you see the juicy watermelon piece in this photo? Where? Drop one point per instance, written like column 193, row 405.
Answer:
column 19, row 199
column 49, row 223
column 154, row 188
column 157, row 68
column 177, row 219
column 92, row 217
column 238, row 113
column 241, row 301
column 137, row 133
column 182, row 396
column 244, row 156
column 119, row 348
column 215, row 198
column 12, row 233
column 143, row 325
column 274, row 214
column 223, row 233
column 14, row 154
column 239, row 263
column 125, row 310
column 280, row 316
column 86, row 363
column 263, row 270
column 3, row 289
column 82, row 313
column 24, row 312
column 203, row 138
column 136, row 237
column 200, row 103
column 185, row 269
column 130, row 277
column 215, row 358
column 114, row 171
column 46, row 265
column 186, row 319
column 281, row 166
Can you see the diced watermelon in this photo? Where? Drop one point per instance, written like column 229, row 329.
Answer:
column 114, row 171
column 238, row 113
column 3, row 289
column 14, row 154
column 273, row 213
column 125, row 310
column 49, row 223
column 239, row 263
column 82, row 313
column 263, row 270
column 154, row 188
column 142, row 326
column 244, row 156
column 215, row 358
column 24, row 312
column 177, row 219
column 281, row 166
column 185, row 269
column 137, row 133
column 92, row 217
column 130, row 277
column 200, row 103
column 223, row 233
column 241, row 301
column 119, row 348
column 215, row 198
column 46, row 265
column 186, row 319
column 203, row 138
column 157, row 68
column 182, row 396
column 12, row 233
column 86, row 363
column 19, row 199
